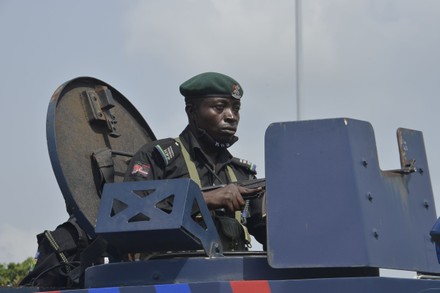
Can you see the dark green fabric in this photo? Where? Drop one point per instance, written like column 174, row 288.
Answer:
column 211, row 84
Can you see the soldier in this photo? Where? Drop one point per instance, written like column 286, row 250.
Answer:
column 213, row 102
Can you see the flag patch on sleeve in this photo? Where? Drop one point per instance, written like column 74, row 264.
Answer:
column 140, row 169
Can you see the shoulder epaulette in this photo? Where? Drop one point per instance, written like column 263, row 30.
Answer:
column 245, row 164
column 165, row 151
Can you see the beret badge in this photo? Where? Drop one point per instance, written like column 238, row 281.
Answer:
column 236, row 91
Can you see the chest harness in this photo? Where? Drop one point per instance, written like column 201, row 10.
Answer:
column 194, row 175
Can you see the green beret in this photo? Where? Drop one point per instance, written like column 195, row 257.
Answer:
column 211, row 84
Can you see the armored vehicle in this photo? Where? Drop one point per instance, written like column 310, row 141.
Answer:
column 334, row 218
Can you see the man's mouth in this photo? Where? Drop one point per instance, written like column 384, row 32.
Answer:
column 229, row 130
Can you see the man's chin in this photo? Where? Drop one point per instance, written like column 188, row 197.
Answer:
column 226, row 141
column 223, row 138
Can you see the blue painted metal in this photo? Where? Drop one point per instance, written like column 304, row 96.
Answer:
column 157, row 230
column 232, row 266
column 334, row 217
column 104, row 290
column 173, row 288
column 358, row 285
column 335, row 285
column 337, row 207
column 341, row 216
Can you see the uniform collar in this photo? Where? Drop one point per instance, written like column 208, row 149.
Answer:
column 195, row 150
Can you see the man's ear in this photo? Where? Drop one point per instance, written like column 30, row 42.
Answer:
column 190, row 109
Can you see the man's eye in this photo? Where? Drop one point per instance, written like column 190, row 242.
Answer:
column 219, row 107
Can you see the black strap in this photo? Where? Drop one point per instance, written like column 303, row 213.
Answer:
column 104, row 162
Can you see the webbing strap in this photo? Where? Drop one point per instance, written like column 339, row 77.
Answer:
column 196, row 178
column 190, row 164
column 57, row 249
column 239, row 214
column 233, row 178
column 231, row 174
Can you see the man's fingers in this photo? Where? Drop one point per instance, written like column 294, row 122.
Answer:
column 246, row 192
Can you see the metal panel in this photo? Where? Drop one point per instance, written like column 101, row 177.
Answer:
column 337, row 207
column 198, row 269
column 335, row 285
column 157, row 216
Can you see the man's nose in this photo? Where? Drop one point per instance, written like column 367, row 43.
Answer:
column 229, row 114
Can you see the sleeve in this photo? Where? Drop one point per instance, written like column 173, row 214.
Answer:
column 142, row 166
column 154, row 161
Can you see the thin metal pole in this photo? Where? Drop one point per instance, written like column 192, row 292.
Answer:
column 298, row 55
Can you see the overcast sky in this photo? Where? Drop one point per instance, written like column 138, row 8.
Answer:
column 373, row 60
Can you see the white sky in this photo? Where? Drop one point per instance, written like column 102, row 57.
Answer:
column 373, row 60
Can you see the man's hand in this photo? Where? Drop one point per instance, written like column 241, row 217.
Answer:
column 229, row 197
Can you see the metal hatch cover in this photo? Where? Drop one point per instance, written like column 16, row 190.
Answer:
column 92, row 130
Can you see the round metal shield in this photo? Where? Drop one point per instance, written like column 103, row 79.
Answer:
column 92, row 131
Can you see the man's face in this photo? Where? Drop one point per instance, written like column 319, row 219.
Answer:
column 218, row 116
